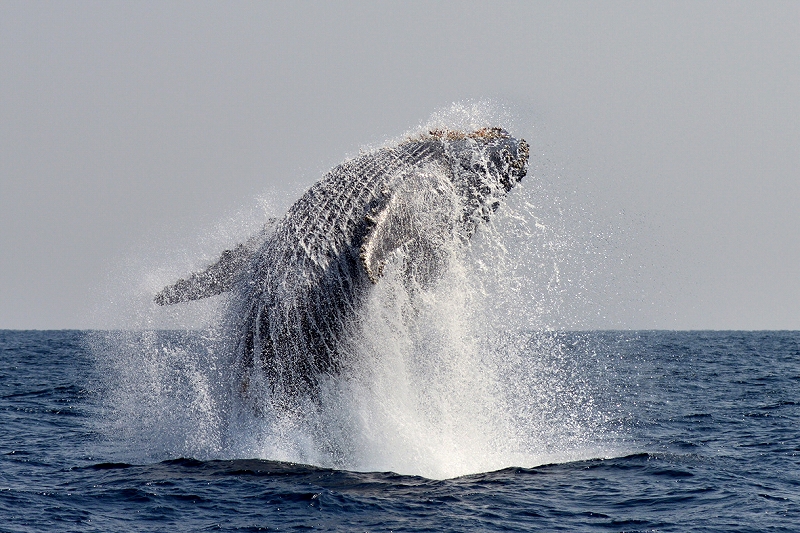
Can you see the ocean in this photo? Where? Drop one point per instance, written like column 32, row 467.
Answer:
column 617, row 431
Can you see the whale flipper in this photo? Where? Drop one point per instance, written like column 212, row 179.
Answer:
column 417, row 218
column 219, row 277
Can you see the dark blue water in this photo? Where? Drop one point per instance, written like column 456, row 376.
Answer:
column 710, row 423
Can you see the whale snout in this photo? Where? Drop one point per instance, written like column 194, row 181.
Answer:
column 510, row 158
column 518, row 164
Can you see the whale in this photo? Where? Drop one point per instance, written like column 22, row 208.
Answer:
column 298, row 286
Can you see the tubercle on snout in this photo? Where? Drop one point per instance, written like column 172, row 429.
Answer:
column 441, row 134
column 482, row 133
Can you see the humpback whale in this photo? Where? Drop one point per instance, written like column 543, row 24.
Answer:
column 297, row 286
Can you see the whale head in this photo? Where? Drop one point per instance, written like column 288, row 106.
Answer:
column 509, row 160
column 486, row 164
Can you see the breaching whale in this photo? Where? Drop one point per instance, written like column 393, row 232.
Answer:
column 298, row 285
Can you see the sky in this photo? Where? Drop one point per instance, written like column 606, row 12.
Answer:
column 132, row 130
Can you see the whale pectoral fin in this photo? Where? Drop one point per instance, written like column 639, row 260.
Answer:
column 389, row 229
column 426, row 256
column 215, row 279
column 219, row 277
column 419, row 218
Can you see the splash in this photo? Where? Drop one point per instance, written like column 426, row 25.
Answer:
column 463, row 376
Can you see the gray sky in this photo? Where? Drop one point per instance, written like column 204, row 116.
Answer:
column 126, row 128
